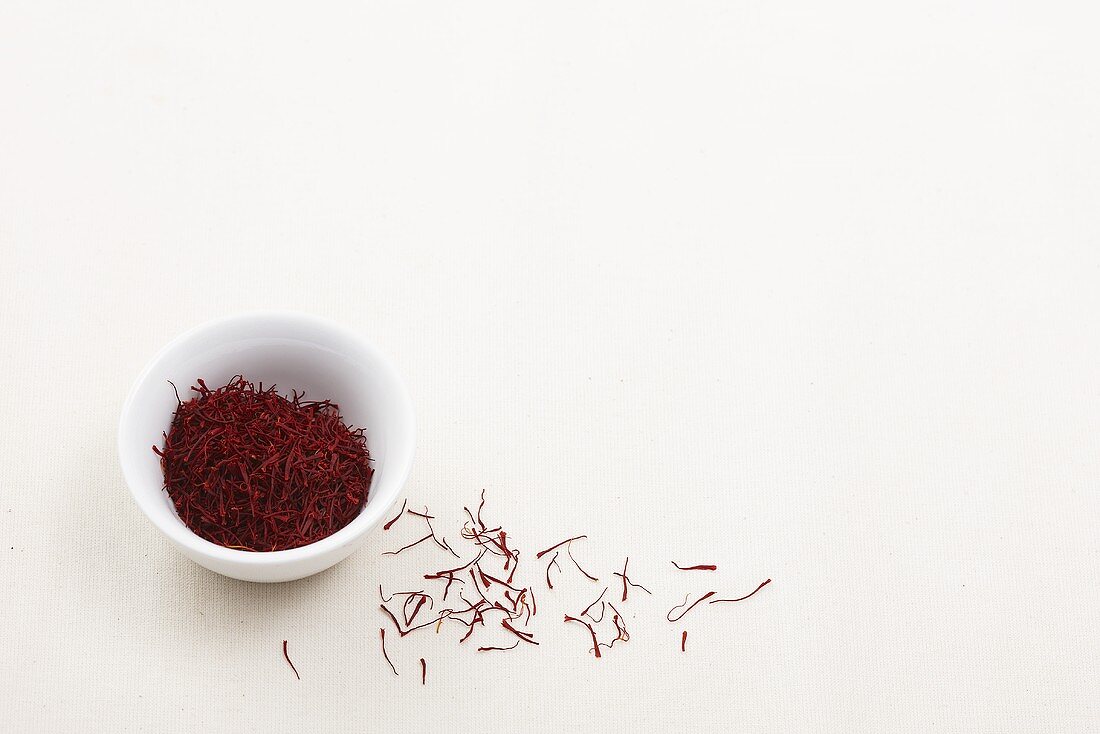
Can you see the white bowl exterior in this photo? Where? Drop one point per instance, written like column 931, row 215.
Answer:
column 292, row 351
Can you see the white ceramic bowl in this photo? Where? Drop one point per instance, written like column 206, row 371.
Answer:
column 292, row 351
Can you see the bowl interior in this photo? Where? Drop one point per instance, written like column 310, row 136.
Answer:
column 291, row 353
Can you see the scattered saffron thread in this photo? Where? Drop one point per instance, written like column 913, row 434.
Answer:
column 574, row 560
column 389, row 614
column 553, row 562
column 620, row 627
column 382, row 633
column 540, row 554
column 487, row 649
column 410, row 545
column 500, row 598
column 705, row 567
column 599, row 599
column 628, row 582
column 595, row 642
column 743, row 598
column 287, row 656
column 523, row 636
column 397, row 517
column 669, row 616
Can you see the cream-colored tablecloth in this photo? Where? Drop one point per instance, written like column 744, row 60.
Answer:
column 807, row 290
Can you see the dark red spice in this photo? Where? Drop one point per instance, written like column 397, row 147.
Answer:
column 540, row 554
column 250, row 469
column 524, row 636
column 620, row 626
column 423, row 672
column 285, row 655
column 410, row 545
column 444, row 614
column 599, row 600
column 569, row 553
column 704, row 597
column 627, row 582
column 743, row 598
column 452, row 571
column 382, row 633
column 706, row 567
column 396, row 624
column 487, row 649
column 595, row 642
column 396, row 517
column 499, row 597
column 409, row 618
column 382, row 595
column 553, row 562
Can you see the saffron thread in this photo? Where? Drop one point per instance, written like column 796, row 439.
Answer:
column 397, row 517
column 382, row 633
column 743, row 598
column 704, row 597
column 540, row 554
column 286, row 655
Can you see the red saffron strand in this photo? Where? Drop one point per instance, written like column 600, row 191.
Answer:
column 704, row 597
column 441, row 543
column 423, row 672
column 524, row 636
column 598, row 600
column 628, row 582
column 574, row 560
column 382, row 633
column 495, row 580
column 684, row 641
column 396, row 624
column 553, row 562
column 397, row 517
column 620, row 626
column 595, row 642
column 463, row 567
column 287, row 656
column 743, row 598
column 416, row 609
column 487, row 649
column 382, row 595
column 705, row 567
column 410, row 545
column 448, row 547
column 540, row 554
column 479, row 507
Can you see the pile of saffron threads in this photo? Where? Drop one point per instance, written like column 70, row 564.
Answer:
column 250, row 469
column 482, row 595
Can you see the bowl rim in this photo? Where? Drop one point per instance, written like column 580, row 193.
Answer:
column 367, row 519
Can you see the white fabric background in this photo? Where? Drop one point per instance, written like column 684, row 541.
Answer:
column 809, row 290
